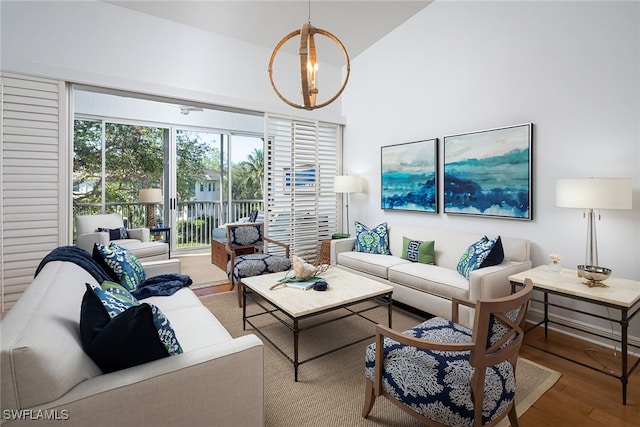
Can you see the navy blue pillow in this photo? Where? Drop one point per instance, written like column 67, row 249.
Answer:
column 496, row 255
column 116, row 233
column 138, row 335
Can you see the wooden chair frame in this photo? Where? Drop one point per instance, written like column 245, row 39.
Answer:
column 480, row 356
column 258, row 247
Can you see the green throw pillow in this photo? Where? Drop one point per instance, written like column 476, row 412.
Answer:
column 419, row 251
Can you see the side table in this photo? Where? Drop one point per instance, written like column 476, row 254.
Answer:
column 167, row 235
column 621, row 295
column 219, row 255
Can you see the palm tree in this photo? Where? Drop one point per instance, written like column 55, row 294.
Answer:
column 254, row 166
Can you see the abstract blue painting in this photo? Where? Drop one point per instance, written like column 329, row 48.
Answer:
column 410, row 176
column 488, row 173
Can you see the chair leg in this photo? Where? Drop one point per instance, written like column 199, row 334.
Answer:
column 369, row 398
column 513, row 416
column 240, row 293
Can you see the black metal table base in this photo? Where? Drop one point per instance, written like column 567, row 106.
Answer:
column 623, row 320
column 293, row 323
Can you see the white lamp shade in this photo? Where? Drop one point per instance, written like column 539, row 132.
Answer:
column 150, row 195
column 594, row 193
column 347, row 184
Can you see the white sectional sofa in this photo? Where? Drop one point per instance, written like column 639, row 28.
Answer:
column 46, row 375
column 430, row 287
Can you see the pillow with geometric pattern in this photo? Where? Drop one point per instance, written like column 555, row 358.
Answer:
column 418, row 251
column 120, row 264
column 120, row 292
column 374, row 240
column 475, row 255
column 139, row 334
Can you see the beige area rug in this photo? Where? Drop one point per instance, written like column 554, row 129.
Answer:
column 198, row 266
column 330, row 389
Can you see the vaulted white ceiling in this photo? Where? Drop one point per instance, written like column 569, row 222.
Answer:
column 357, row 23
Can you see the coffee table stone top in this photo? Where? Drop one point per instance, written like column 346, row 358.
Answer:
column 343, row 287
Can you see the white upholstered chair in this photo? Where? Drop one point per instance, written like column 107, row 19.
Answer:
column 136, row 240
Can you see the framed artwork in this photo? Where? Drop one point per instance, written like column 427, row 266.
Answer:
column 410, row 176
column 488, row 173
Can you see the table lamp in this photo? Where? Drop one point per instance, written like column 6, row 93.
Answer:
column 151, row 197
column 347, row 184
column 590, row 194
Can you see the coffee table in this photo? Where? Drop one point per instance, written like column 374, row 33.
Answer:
column 290, row 305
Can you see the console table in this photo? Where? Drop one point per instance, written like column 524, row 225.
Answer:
column 621, row 295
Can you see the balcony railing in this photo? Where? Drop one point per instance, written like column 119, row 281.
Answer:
column 196, row 219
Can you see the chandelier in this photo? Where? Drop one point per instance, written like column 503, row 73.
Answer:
column 309, row 65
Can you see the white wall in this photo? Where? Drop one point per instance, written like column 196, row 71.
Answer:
column 100, row 44
column 571, row 68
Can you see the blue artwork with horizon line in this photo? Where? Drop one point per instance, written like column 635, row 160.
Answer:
column 488, row 173
column 409, row 176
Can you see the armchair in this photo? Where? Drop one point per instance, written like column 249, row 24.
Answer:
column 136, row 240
column 443, row 373
column 242, row 236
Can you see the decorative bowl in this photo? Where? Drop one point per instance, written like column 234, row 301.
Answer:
column 594, row 275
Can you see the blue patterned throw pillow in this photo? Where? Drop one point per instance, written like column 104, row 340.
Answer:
column 125, row 266
column 475, row 255
column 165, row 332
column 112, row 304
column 117, row 335
column 119, row 292
column 374, row 240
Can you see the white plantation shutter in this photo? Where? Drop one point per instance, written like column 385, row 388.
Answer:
column 33, row 182
column 301, row 161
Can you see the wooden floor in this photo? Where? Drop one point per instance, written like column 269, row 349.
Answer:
column 581, row 397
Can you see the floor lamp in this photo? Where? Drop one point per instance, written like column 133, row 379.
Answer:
column 347, row 184
column 590, row 194
column 151, row 197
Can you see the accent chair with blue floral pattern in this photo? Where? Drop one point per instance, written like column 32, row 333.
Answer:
column 247, row 236
column 445, row 374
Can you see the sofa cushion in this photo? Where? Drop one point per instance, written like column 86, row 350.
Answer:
column 418, row 251
column 209, row 331
column 374, row 240
column 475, row 255
column 375, row 264
column 429, row 278
column 124, row 265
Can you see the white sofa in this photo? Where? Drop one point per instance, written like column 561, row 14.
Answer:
column 139, row 242
column 217, row 381
column 430, row 287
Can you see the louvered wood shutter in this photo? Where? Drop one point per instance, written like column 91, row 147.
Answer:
column 301, row 162
column 34, row 180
